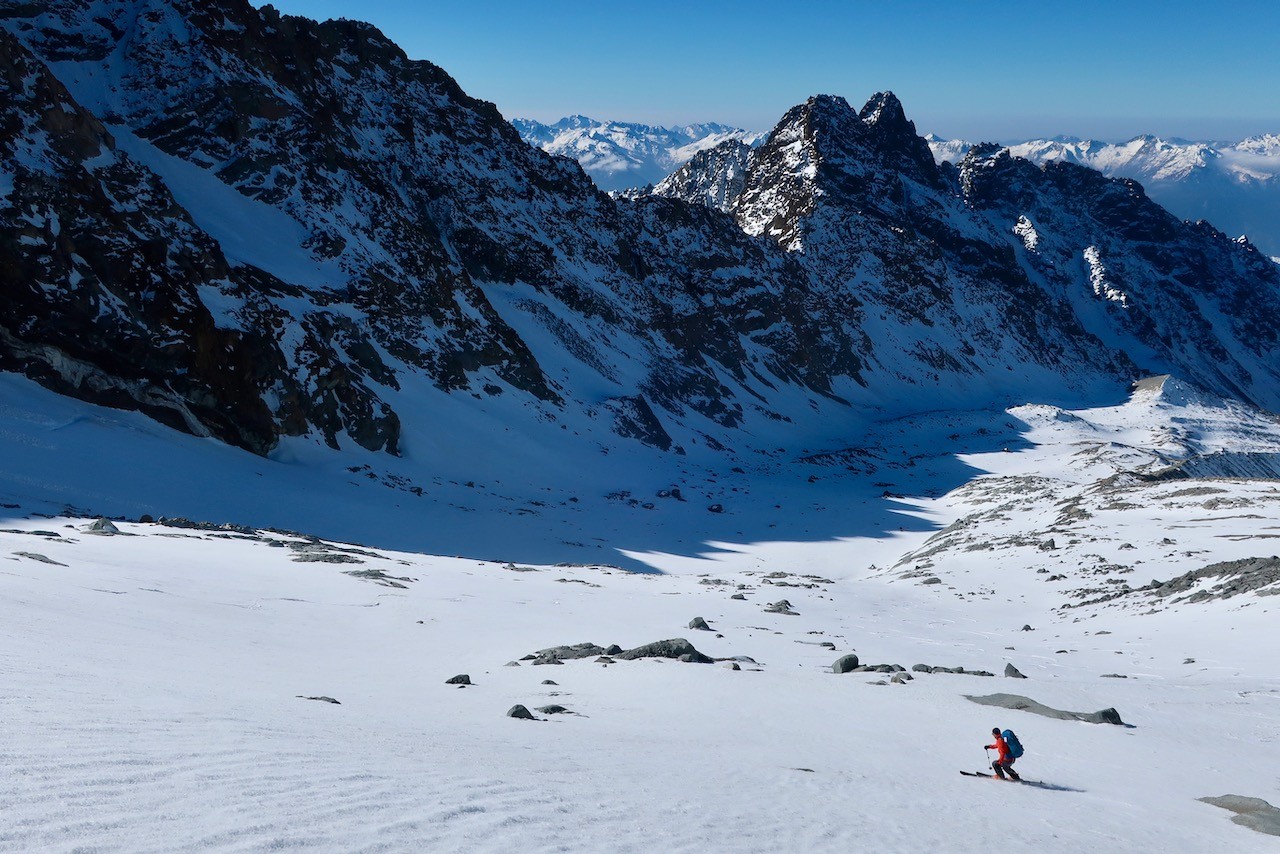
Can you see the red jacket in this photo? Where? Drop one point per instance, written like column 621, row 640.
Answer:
column 1001, row 746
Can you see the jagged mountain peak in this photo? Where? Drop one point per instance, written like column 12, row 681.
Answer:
column 825, row 153
column 885, row 108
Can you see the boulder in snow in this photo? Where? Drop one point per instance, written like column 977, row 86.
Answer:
column 673, row 648
column 845, row 664
column 102, row 526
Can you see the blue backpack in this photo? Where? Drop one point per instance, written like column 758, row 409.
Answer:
column 1015, row 746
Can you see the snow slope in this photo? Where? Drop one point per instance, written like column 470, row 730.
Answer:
column 157, row 679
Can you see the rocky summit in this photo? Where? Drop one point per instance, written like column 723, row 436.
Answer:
column 254, row 226
column 998, row 273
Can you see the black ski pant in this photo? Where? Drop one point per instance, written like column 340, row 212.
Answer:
column 1001, row 767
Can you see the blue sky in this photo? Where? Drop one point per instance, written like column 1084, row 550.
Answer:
column 976, row 70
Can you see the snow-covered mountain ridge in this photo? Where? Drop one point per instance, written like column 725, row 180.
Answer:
column 626, row 155
column 937, row 255
column 312, row 240
column 1234, row 185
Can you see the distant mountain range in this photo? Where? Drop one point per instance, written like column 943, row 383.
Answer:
column 623, row 155
column 1234, row 185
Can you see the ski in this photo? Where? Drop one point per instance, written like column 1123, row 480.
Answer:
column 989, row 776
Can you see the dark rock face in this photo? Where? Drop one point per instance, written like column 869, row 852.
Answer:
column 419, row 210
column 99, row 300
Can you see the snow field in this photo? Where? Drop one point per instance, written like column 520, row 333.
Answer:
column 152, row 707
column 152, row 680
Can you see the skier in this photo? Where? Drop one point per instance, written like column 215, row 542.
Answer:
column 1004, row 761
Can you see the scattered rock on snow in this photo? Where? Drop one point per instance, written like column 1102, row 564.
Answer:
column 1026, row 704
column 699, row 624
column 673, row 648
column 845, row 664
column 39, row 557
column 324, row 557
column 512, row 664
column 1253, row 575
column 732, row 665
column 1114, row 676
column 1013, row 672
column 519, row 711
column 1253, row 813
column 550, row 682
column 933, row 579
column 460, row 679
column 956, row 670
column 564, row 653
column 782, row 606
column 377, row 576
column 737, row 596
column 554, row 709
column 900, row 678
column 317, row 551
column 102, row 526
column 321, row 699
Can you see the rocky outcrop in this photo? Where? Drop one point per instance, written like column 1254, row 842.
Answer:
column 1253, row 813
column 1026, row 704
column 677, row 648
